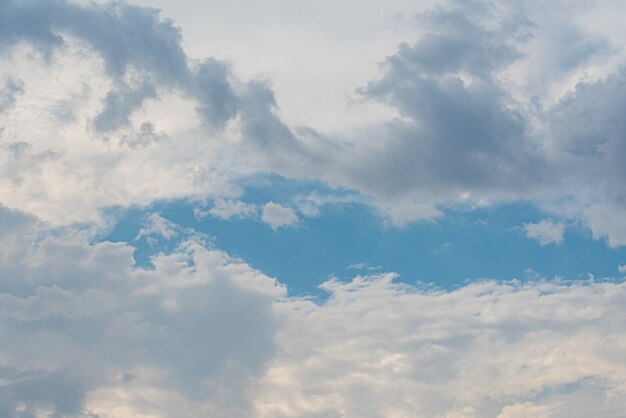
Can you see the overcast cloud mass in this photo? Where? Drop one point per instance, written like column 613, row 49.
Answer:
column 407, row 111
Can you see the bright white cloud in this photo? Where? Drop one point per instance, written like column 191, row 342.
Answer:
column 546, row 231
column 278, row 216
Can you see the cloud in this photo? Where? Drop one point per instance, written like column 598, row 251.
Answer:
column 377, row 348
column 9, row 92
column 278, row 216
column 228, row 208
column 157, row 226
column 459, row 135
column 85, row 331
column 80, row 320
column 546, row 231
column 621, row 268
column 162, row 125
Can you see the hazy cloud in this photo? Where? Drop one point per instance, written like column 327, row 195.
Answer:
column 546, row 231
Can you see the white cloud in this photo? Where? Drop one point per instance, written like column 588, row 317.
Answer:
column 157, row 226
column 203, row 334
column 278, row 216
column 621, row 268
column 546, row 231
column 230, row 208
column 608, row 222
column 487, row 349
column 526, row 410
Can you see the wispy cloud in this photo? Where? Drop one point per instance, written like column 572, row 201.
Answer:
column 546, row 231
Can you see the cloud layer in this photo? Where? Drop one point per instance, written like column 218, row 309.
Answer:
column 471, row 126
column 201, row 333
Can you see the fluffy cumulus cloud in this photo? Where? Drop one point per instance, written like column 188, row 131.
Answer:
column 278, row 216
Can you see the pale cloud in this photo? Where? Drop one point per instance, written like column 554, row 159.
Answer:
column 526, row 410
column 278, row 216
column 376, row 349
column 545, row 232
column 230, row 208
column 157, row 226
column 202, row 333
column 608, row 222
column 621, row 268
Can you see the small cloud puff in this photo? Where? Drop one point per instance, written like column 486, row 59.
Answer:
column 277, row 216
column 228, row 208
column 546, row 232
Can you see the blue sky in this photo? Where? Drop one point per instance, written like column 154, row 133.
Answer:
column 296, row 209
column 343, row 240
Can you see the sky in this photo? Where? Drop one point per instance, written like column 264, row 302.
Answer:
column 292, row 209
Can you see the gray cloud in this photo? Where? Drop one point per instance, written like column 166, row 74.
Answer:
column 588, row 143
column 459, row 131
column 119, row 104
column 218, row 101
column 462, row 133
column 9, row 92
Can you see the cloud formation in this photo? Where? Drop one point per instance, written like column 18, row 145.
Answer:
column 503, row 143
column 546, row 231
column 101, row 107
column 87, row 333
